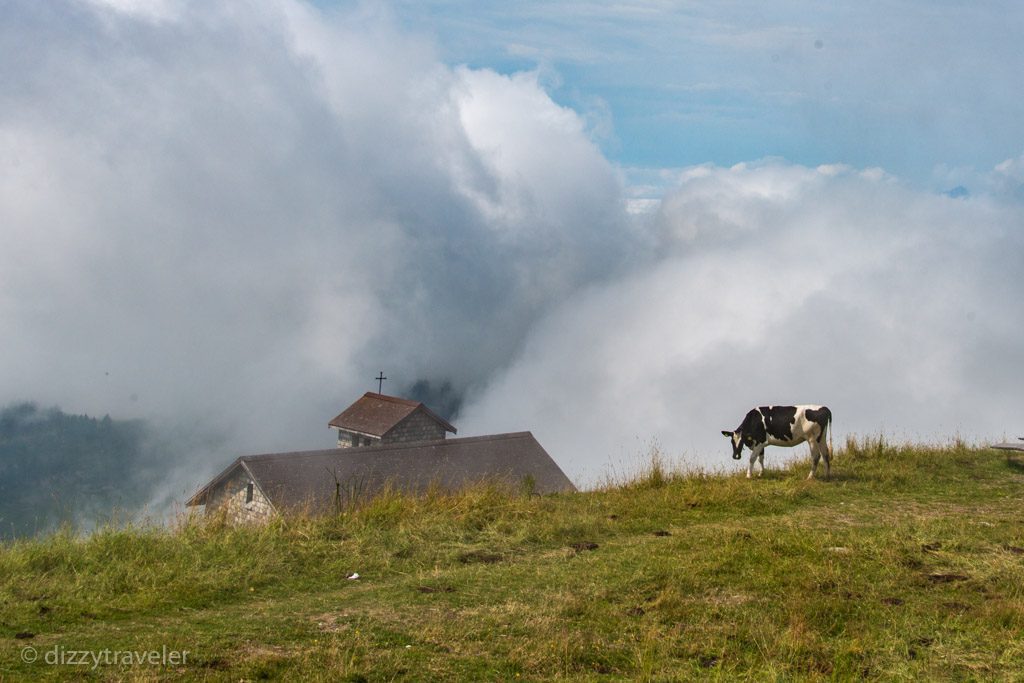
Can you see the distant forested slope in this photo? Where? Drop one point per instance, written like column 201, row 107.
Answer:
column 57, row 468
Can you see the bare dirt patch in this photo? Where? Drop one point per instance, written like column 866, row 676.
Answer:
column 584, row 545
column 480, row 557
column 938, row 578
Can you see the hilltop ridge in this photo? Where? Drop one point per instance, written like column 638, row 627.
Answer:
column 909, row 563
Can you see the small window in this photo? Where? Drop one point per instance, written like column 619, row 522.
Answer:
column 355, row 439
column 248, row 493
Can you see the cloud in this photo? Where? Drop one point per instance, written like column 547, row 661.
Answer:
column 230, row 218
column 237, row 215
column 779, row 283
column 151, row 10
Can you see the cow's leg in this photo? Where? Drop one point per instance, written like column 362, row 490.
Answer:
column 815, row 456
column 823, row 447
column 756, row 453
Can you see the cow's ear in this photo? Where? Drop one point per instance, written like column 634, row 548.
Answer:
column 727, row 433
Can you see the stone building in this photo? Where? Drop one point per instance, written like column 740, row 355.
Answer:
column 254, row 488
column 236, row 493
column 377, row 419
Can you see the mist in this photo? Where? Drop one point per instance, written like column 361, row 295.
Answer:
column 781, row 284
column 238, row 215
column 226, row 219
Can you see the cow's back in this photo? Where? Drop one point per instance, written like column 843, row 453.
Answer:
column 791, row 425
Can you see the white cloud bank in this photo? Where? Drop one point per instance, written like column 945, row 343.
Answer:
column 235, row 215
column 782, row 284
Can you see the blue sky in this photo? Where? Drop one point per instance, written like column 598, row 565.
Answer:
column 909, row 86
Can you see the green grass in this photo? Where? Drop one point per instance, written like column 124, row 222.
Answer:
column 907, row 565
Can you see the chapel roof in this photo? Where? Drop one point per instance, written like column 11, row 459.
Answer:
column 377, row 414
column 309, row 480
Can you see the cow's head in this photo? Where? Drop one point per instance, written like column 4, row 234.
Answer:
column 737, row 443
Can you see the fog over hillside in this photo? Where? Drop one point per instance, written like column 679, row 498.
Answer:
column 232, row 216
column 783, row 284
column 60, row 469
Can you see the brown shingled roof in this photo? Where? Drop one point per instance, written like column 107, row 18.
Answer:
column 306, row 479
column 377, row 414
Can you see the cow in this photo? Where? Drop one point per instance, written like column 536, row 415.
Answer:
column 783, row 426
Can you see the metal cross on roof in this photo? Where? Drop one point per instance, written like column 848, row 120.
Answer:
column 380, row 382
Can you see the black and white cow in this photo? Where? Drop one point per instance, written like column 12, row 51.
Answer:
column 783, row 426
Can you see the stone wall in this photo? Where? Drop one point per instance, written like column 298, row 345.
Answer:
column 417, row 427
column 229, row 496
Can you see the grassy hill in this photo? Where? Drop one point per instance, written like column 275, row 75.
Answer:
column 908, row 565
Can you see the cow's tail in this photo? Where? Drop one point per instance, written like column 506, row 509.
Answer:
column 828, row 427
